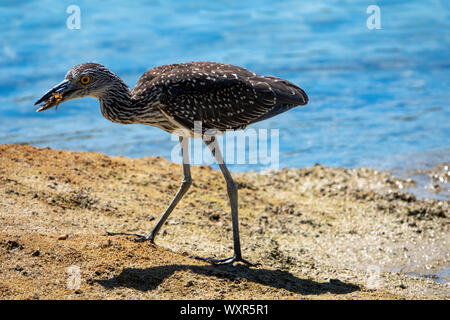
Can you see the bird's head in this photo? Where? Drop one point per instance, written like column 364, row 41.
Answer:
column 87, row 79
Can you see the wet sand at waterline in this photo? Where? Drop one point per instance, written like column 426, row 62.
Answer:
column 319, row 233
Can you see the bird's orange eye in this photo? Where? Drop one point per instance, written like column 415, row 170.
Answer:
column 85, row 79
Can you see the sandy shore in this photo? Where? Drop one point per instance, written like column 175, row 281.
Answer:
column 320, row 233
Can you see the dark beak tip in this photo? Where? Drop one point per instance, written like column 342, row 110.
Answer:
column 43, row 98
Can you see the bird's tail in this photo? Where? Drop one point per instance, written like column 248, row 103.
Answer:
column 283, row 95
column 286, row 92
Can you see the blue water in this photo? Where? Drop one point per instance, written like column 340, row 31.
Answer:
column 378, row 98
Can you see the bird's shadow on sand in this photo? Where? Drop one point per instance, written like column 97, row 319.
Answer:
column 149, row 278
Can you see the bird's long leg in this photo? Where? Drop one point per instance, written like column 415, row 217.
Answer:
column 233, row 196
column 185, row 184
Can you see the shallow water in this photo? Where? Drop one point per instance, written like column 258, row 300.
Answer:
column 378, row 98
column 442, row 276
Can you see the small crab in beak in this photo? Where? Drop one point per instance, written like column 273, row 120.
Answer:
column 56, row 95
column 53, row 101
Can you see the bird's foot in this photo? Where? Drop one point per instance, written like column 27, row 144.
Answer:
column 138, row 237
column 227, row 261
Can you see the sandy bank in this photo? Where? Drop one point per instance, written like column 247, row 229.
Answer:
column 320, row 233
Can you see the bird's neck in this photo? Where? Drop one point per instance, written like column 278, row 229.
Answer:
column 118, row 105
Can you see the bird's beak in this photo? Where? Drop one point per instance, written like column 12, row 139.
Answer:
column 55, row 95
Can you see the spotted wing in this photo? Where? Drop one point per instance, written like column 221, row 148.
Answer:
column 223, row 97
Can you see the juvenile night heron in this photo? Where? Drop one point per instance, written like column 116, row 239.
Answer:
column 173, row 98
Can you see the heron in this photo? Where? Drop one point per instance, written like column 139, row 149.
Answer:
column 175, row 98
